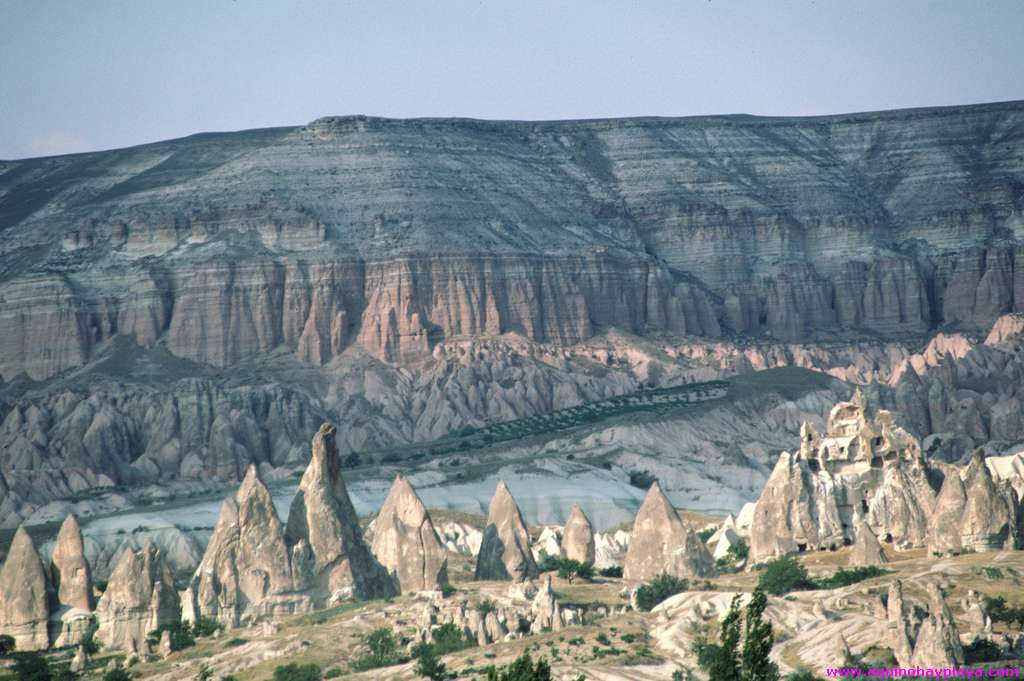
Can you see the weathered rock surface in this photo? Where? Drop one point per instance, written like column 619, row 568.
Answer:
column 140, row 597
column 72, row 574
column 323, row 530
column 406, row 543
column 547, row 614
column 866, row 548
column 25, row 595
column 578, row 537
column 246, row 570
column 662, row 543
column 505, row 550
column 974, row 512
column 938, row 642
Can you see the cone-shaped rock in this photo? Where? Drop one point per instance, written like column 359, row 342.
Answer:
column 944, row 531
column 71, row 572
column 405, row 542
column 140, row 597
column 323, row 523
column 578, row 537
column 505, row 551
column 246, row 563
column 866, row 549
column 547, row 614
column 989, row 520
column 662, row 543
column 938, row 642
column 25, row 595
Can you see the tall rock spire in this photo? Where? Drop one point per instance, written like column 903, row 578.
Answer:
column 140, row 597
column 662, row 543
column 324, row 529
column 25, row 595
column 72, row 575
column 406, row 543
column 505, row 551
column 578, row 537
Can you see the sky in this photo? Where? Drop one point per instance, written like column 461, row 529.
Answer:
column 79, row 75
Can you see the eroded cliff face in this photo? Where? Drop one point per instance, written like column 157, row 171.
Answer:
column 393, row 235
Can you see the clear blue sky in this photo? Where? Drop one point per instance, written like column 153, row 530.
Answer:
column 94, row 74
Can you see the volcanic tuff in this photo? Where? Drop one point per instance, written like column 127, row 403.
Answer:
column 25, row 595
column 406, row 542
column 578, row 537
column 140, row 597
column 505, row 550
column 72, row 574
column 662, row 543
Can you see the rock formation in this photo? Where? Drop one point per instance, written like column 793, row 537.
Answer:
column 865, row 468
column 246, row 571
column 578, row 537
column 505, row 550
column 866, row 549
column 974, row 512
column 25, row 595
column 72, row 575
column 406, row 543
column 140, row 597
column 938, row 642
column 547, row 614
column 662, row 543
column 323, row 529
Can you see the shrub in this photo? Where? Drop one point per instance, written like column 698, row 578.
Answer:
column 297, row 672
column 982, row 650
column 235, row 642
column 782, row 575
column 486, row 606
column 547, row 563
column 571, row 569
column 333, row 673
column 31, row 667
column 117, row 675
column 739, row 551
column 427, row 663
column 181, row 636
column 447, row 590
column 611, row 571
column 7, row 645
column 382, row 651
column 522, row 669
column 641, row 479
column 448, row 638
column 603, row 639
column 657, row 590
column 89, row 642
column 205, row 626
column 803, row 674
column 705, row 534
column 847, row 577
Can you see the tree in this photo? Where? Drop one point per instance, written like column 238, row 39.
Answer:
column 205, row 673
column 428, row 664
column 758, row 641
column 569, row 569
column 117, row 675
column 89, row 642
column 782, row 575
column 297, row 672
column 722, row 662
column 522, row 669
column 7, row 645
column 32, row 667
column 658, row 589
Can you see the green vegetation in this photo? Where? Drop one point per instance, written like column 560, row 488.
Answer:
column 522, row 669
column 117, row 675
column 297, row 672
column 802, row 674
column 181, row 636
column 705, row 534
column 999, row 611
column 611, row 571
column 569, row 569
column 31, row 667
column 235, row 642
column 382, row 651
column 7, row 645
column 725, row 661
column 982, row 650
column 448, row 638
column 782, row 575
column 847, row 577
column 89, row 642
column 427, row 663
column 486, row 606
column 657, row 590
column 641, row 479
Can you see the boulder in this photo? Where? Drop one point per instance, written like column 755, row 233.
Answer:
column 72, row 575
column 25, row 595
column 662, row 543
column 505, row 550
column 578, row 537
column 866, row 549
column 331, row 556
column 405, row 542
column 140, row 597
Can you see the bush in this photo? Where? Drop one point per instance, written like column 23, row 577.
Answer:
column 333, row 673
column 847, row 577
column 205, row 626
column 739, row 551
column 447, row 590
column 982, row 650
column 235, row 642
column 999, row 611
column 571, row 569
column 117, row 675
column 782, row 575
column 641, row 479
column 7, row 645
column 803, row 674
column 89, row 642
column 297, row 672
column 611, row 571
column 427, row 663
column 382, row 650
column 448, row 638
column 31, row 667
column 657, row 590
column 181, row 636
column 705, row 534
column 486, row 606
column 522, row 669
